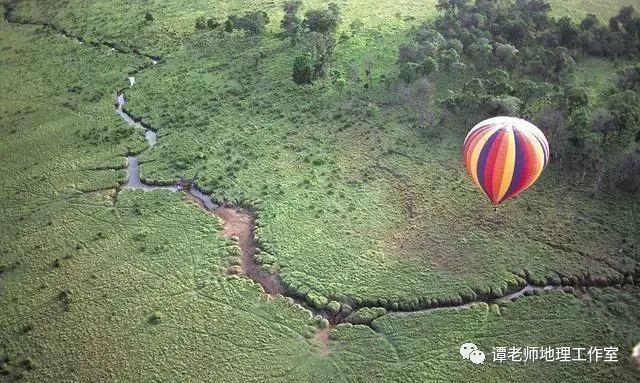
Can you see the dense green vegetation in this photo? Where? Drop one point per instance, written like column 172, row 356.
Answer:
column 355, row 176
column 522, row 60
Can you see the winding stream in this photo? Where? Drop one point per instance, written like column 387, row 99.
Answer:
column 149, row 134
column 238, row 223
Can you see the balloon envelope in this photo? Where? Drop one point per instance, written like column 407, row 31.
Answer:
column 504, row 156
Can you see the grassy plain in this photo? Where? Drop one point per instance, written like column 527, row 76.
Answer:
column 341, row 208
column 354, row 204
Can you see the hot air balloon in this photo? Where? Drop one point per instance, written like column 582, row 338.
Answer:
column 504, row 156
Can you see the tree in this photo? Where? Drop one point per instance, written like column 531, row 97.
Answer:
column 291, row 22
column 627, row 172
column 459, row 67
column 454, row 44
column 614, row 26
column 567, row 31
column 553, row 123
column 506, row 105
column 418, row 96
column 497, row 86
column 429, row 65
column 475, row 86
column 603, row 122
column 625, row 108
column 428, row 35
column 535, row 12
column 629, row 78
column 409, row 72
column 321, row 48
column 421, row 96
column 356, row 27
column 526, row 90
column 633, row 32
column 148, row 17
column 590, row 22
column 575, row 97
column 323, row 21
column 506, row 55
column 254, row 22
column 481, row 51
column 453, row 6
column 626, row 14
column 448, row 58
column 353, row 74
column 515, row 32
column 303, row 68
column 411, row 52
column 589, row 155
column 561, row 62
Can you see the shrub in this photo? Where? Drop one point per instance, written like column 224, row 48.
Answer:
column 303, row 67
column 254, row 22
column 228, row 26
column 212, row 23
column 340, row 84
column 63, row 299
column 333, row 307
column 409, row 72
column 367, row 314
column 201, row 23
column 429, row 65
column 448, row 58
column 27, row 364
column 155, row 318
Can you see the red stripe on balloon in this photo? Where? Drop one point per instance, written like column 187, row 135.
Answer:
column 471, row 144
column 471, row 141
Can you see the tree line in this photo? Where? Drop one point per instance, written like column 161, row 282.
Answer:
column 521, row 60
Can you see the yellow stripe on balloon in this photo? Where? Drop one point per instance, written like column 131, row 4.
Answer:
column 509, row 163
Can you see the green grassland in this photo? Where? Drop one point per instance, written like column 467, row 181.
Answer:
column 354, row 204
column 335, row 194
column 578, row 9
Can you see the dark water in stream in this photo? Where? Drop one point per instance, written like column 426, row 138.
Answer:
column 149, row 134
